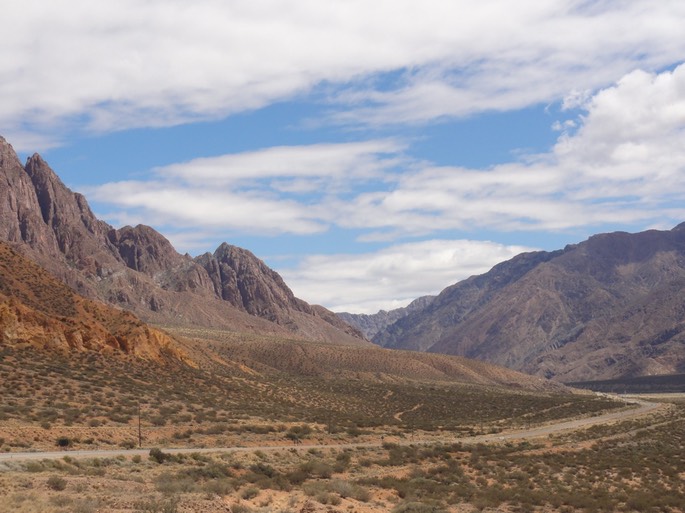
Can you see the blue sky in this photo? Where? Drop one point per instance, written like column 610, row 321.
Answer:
column 371, row 152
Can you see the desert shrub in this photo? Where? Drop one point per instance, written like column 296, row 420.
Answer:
column 57, row 483
column 215, row 429
column 327, row 498
column 159, row 456
column 158, row 420
column 317, row 468
column 213, row 470
column 301, row 430
column 349, row 490
column 85, row 506
column 262, row 469
column 297, row 477
column 63, row 441
column 158, row 506
column 35, row 466
column 354, row 431
column 170, row 484
column 249, row 493
column 219, row 487
column 417, row 507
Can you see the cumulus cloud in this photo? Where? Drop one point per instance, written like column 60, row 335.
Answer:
column 73, row 64
column 624, row 163
column 394, row 276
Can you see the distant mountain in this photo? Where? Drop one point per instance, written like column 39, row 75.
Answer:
column 137, row 269
column 610, row 307
column 371, row 324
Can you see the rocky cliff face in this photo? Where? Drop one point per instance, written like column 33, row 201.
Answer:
column 247, row 283
column 136, row 268
column 610, row 307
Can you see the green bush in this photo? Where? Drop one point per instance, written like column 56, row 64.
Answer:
column 417, row 507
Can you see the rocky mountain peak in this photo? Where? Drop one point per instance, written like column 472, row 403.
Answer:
column 51, row 192
column 144, row 249
column 20, row 220
column 246, row 282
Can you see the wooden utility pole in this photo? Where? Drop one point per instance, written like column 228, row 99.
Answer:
column 140, row 432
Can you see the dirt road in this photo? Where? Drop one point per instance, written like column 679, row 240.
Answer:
column 642, row 408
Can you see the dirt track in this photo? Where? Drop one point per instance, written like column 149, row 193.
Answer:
column 643, row 408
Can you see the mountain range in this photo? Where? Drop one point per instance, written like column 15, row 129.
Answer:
column 71, row 283
column 609, row 307
column 137, row 269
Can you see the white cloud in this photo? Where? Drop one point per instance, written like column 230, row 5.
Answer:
column 624, row 164
column 272, row 191
column 359, row 160
column 394, row 276
column 114, row 65
column 184, row 206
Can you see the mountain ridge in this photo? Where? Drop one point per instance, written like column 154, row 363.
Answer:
column 608, row 307
column 136, row 268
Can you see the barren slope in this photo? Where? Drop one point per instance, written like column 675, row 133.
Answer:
column 39, row 311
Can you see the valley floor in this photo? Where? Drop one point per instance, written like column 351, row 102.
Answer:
column 312, row 443
column 635, row 464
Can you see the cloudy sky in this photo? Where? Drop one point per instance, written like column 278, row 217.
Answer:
column 371, row 152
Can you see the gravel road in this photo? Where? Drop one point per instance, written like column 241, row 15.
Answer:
column 642, row 407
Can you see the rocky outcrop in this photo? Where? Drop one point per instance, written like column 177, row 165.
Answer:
column 421, row 329
column 247, row 283
column 20, row 213
column 40, row 311
column 609, row 307
column 145, row 250
column 137, row 268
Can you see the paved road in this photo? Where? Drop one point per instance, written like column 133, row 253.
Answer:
column 643, row 407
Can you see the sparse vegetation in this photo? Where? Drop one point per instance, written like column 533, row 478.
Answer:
column 92, row 401
column 621, row 471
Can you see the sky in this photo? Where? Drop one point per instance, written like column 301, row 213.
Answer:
column 370, row 152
